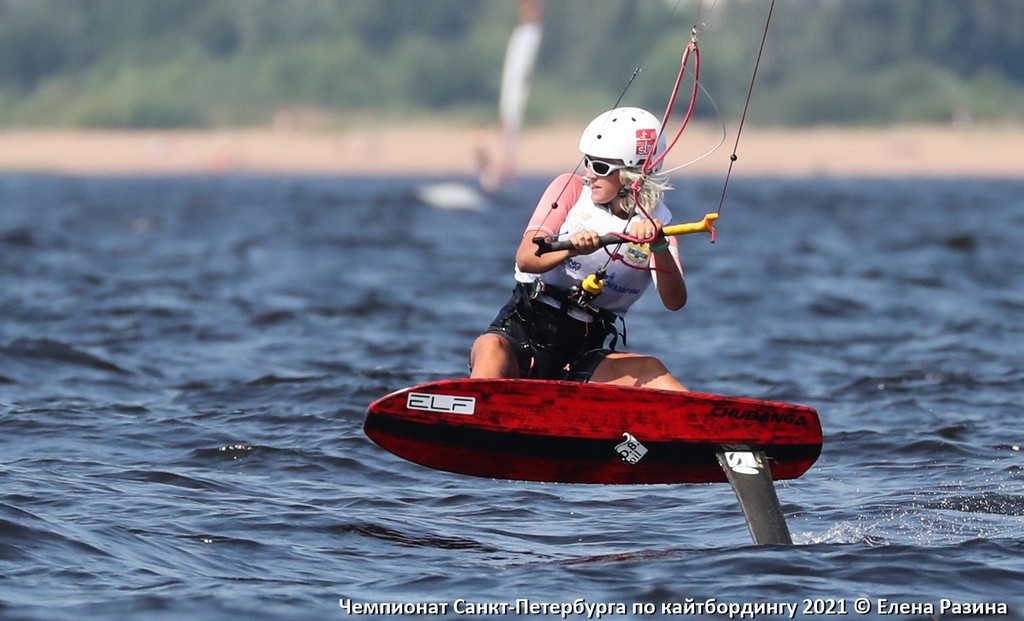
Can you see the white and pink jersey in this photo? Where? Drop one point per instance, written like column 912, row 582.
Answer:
column 575, row 211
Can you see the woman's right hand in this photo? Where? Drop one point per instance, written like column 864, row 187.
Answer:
column 585, row 242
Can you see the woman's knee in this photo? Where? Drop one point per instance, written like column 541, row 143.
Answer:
column 631, row 363
column 636, row 370
column 492, row 356
column 488, row 344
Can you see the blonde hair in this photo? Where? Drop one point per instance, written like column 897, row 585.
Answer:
column 652, row 189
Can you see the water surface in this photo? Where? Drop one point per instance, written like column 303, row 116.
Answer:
column 185, row 363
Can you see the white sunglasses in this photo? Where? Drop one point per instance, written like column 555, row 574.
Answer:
column 601, row 168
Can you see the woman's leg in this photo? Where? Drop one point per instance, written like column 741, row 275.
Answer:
column 635, row 370
column 492, row 356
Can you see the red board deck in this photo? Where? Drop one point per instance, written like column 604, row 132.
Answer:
column 567, row 432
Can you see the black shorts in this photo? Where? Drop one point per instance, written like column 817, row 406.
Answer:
column 548, row 342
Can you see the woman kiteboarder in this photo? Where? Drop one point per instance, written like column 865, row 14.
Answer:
column 567, row 304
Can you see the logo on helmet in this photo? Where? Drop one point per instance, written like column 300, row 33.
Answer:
column 646, row 141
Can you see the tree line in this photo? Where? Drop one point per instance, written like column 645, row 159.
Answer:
column 197, row 63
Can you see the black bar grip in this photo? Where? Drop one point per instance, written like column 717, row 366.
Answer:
column 546, row 244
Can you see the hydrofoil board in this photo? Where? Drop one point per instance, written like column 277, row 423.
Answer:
column 569, row 432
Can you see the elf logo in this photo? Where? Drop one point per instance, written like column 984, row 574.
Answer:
column 449, row 404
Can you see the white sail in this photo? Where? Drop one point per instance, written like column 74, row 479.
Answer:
column 495, row 171
column 520, row 57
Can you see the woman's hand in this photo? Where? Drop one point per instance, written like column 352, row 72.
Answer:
column 584, row 242
column 647, row 230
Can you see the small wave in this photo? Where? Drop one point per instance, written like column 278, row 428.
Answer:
column 272, row 318
column 56, row 351
column 962, row 243
column 932, row 449
column 417, row 540
column 168, row 478
column 909, row 383
column 249, row 544
column 624, row 557
column 23, row 534
column 274, row 380
column 373, row 303
column 232, row 452
column 836, row 306
column 922, row 519
column 20, row 238
column 990, row 503
column 303, row 462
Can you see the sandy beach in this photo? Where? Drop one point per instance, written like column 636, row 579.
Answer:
column 451, row 150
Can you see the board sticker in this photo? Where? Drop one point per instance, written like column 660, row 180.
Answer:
column 449, row 404
column 631, row 451
column 743, row 462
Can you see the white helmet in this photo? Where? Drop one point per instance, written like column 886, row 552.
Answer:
column 627, row 134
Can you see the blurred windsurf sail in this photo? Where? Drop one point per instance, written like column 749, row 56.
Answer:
column 520, row 57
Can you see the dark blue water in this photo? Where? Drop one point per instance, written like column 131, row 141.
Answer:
column 185, row 364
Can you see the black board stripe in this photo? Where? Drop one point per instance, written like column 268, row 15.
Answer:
column 570, row 448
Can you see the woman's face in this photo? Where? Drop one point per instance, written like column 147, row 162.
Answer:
column 603, row 189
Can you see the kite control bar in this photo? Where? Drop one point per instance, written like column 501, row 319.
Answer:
column 546, row 244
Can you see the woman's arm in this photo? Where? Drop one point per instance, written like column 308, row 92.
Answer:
column 668, row 271
column 547, row 218
column 668, row 276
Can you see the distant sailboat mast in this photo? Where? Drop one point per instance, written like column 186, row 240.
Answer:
column 520, row 57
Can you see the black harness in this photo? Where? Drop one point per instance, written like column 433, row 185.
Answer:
column 577, row 298
column 550, row 342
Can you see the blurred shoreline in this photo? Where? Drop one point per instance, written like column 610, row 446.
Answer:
column 441, row 150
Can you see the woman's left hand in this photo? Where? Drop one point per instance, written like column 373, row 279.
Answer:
column 647, row 230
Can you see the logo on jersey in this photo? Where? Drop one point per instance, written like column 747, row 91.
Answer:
column 637, row 254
